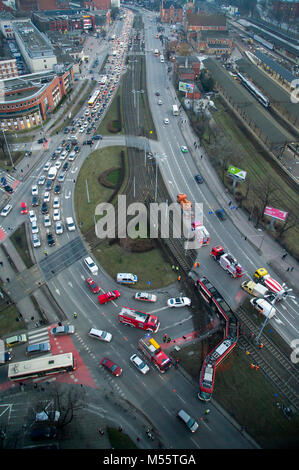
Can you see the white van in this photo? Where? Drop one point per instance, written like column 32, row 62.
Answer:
column 93, row 268
column 52, row 173
column 263, row 307
column 126, row 278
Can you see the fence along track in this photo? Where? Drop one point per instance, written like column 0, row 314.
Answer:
column 272, row 361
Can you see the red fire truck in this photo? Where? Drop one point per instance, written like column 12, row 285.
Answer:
column 152, row 351
column 138, row 319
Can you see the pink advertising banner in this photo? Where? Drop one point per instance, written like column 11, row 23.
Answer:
column 276, row 213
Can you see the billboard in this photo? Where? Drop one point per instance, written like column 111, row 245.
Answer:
column 276, row 213
column 186, row 87
column 237, row 173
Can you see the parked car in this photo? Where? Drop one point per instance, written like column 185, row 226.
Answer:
column 179, row 302
column 6, row 210
column 45, row 209
column 58, row 228
column 140, row 364
column 63, row 330
column 145, row 296
column 34, row 190
column 111, row 366
column 94, row 287
column 70, row 224
column 47, row 221
column 35, row 241
column 221, row 214
column 32, row 216
column 108, row 296
column 191, row 424
column 35, row 201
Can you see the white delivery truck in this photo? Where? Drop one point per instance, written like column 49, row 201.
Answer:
column 175, row 110
column 263, row 307
column 258, row 290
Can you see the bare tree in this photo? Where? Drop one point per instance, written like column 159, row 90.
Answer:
column 291, row 222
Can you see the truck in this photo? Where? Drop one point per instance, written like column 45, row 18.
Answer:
column 185, row 204
column 175, row 110
column 200, row 233
column 263, row 307
column 153, row 352
column 137, row 319
column 114, row 53
column 257, row 290
column 227, row 262
column 263, row 277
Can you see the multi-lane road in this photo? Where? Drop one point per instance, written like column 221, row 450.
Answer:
column 158, row 396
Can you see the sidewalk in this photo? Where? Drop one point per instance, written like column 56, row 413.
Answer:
column 259, row 239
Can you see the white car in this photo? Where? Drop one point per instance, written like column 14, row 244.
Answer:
column 47, row 196
column 72, row 156
column 58, row 228
column 57, row 164
column 140, row 364
column 56, row 202
column 70, row 224
column 145, row 296
column 41, row 180
column 179, row 302
column 6, row 210
column 32, row 216
column 34, row 190
column 47, row 166
column 63, row 155
column 85, row 124
column 34, row 227
column 81, row 129
column 100, row 334
column 35, row 241
column 166, row 121
column 93, row 268
column 56, row 214
column 47, row 221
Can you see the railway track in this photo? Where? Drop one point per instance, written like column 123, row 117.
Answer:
column 273, row 362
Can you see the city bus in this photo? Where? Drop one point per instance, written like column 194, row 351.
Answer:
column 156, row 52
column 94, row 98
column 42, row 366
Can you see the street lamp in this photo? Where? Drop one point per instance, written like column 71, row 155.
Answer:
column 162, row 158
column 12, row 165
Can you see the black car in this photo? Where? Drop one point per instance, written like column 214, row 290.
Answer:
column 157, row 93
column 221, row 214
column 65, row 166
column 66, row 130
column 43, row 432
column 51, row 240
column 41, row 141
column 97, row 137
column 77, row 148
column 57, row 189
column 45, row 208
column 88, row 142
column 35, row 201
column 54, row 156
column 68, row 147
column 88, row 130
column 8, row 189
column 198, row 179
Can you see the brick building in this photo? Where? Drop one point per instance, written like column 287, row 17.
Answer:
column 170, row 12
column 287, row 8
column 208, row 33
column 23, row 103
column 8, row 68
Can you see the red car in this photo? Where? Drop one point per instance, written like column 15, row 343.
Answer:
column 93, row 285
column 24, row 208
column 108, row 296
column 111, row 366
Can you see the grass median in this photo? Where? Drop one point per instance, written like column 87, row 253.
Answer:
column 151, row 267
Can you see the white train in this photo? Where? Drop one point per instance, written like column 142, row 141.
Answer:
column 254, row 90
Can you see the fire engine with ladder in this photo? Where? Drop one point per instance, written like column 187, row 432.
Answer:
column 227, row 262
column 152, row 351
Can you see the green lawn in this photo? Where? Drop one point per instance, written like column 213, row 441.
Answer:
column 111, row 115
column 8, row 322
column 87, row 184
column 152, row 269
column 119, row 439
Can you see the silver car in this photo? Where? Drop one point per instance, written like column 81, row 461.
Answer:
column 189, row 422
column 140, row 364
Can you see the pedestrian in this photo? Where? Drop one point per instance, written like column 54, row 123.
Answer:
column 288, row 269
column 75, row 314
column 179, row 278
column 120, row 428
column 101, row 432
column 245, row 238
column 230, row 203
column 168, row 340
column 284, row 256
column 207, row 411
column 184, row 337
column 138, row 439
column 35, row 386
column 201, row 157
column 32, row 318
column 172, row 267
column 292, row 268
column 8, row 280
column 261, row 346
column 1, row 263
column 177, row 268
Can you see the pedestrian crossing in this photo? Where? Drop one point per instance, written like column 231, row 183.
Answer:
column 38, row 336
column 8, row 180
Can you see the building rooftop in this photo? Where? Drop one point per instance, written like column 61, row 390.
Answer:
column 194, row 19
column 33, row 40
